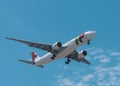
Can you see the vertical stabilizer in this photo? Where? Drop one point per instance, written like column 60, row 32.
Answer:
column 35, row 57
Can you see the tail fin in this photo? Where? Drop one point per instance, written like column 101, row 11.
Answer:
column 35, row 57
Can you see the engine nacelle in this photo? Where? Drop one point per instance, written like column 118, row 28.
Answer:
column 56, row 46
column 82, row 54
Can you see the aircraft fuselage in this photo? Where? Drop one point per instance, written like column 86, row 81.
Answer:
column 70, row 47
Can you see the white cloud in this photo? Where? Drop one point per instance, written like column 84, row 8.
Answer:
column 102, row 58
column 115, row 54
column 110, row 76
column 65, row 82
column 105, row 60
column 87, row 77
column 96, row 51
column 101, row 75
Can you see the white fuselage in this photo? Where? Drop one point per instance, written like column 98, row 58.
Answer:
column 70, row 47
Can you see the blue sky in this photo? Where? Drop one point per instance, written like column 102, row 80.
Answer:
column 49, row 21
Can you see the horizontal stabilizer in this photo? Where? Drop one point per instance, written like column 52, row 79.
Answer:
column 28, row 62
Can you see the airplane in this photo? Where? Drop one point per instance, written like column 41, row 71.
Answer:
column 59, row 50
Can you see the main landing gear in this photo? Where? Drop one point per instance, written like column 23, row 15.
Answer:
column 53, row 57
column 88, row 42
column 81, row 40
column 68, row 61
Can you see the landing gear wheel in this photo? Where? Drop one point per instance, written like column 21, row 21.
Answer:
column 69, row 60
column 53, row 57
column 66, row 62
column 88, row 42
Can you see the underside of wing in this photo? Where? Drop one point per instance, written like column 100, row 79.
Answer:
column 85, row 61
column 80, row 57
column 42, row 46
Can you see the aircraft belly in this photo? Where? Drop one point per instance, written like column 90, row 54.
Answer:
column 47, row 58
column 66, row 52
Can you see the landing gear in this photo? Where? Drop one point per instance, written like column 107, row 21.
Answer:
column 53, row 57
column 68, row 61
column 88, row 42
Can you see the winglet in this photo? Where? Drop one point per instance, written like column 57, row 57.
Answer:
column 12, row 39
column 7, row 37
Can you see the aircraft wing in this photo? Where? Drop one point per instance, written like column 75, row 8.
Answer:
column 74, row 56
column 85, row 61
column 42, row 46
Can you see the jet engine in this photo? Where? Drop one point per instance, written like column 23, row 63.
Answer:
column 56, row 46
column 82, row 54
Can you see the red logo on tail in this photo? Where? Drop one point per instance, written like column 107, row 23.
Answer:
column 34, row 55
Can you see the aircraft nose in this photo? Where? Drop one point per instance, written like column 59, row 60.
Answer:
column 93, row 33
column 90, row 34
